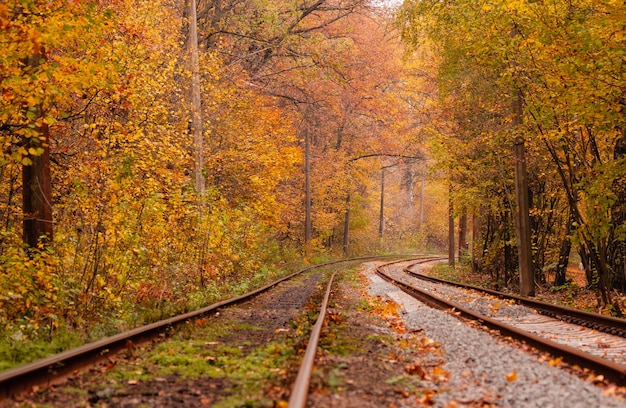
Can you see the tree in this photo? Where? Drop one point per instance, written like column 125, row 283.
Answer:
column 195, row 101
column 566, row 59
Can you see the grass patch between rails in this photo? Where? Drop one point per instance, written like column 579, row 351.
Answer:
column 253, row 363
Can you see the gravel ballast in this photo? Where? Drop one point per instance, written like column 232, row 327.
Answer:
column 484, row 370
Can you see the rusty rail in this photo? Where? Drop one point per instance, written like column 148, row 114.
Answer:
column 607, row 324
column 56, row 368
column 612, row 371
column 300, row 388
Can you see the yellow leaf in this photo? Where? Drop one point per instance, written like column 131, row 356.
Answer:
column 511, row 376
column 555, row 362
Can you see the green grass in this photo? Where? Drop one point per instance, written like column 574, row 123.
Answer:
column 444, row 271
column 17, row 349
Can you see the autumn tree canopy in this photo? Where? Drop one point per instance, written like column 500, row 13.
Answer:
column 566, row 61
column 117, row 204
column 151, row 165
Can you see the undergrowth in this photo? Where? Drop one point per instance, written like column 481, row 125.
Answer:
column 29, row 339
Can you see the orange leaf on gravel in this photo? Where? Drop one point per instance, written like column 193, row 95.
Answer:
column 555, row 362
column 511, row 376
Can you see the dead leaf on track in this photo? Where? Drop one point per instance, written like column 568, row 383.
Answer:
column 440, row 375
column 415, row 369
column 427, row 398
column 555, row 362
column 511, row 376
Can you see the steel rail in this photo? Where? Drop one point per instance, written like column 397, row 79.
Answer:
column 300, row 388
column 58, row 367
column 612, row 371
column 607, row 324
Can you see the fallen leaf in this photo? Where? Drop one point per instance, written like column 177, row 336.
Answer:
column 427, row 398
column 404, row 393
column 555, row 362
column 440, row 375
column 415, row 369
column 511, row 376
column 427, row 342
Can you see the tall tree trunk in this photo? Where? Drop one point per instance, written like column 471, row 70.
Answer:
column 462, row 235
column 381, row 218
column 37, row 192
column 346, row 228
column 36, row 181
column 450, row 229
column 475, row 254
column 526, row 273
column 195, row 96
column 617, row 253
column 307, row 190
column 560, row 276
column 422, row 200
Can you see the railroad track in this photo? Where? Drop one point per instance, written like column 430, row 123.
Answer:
column 585, row 339
column 299, row 391
column 52, row 370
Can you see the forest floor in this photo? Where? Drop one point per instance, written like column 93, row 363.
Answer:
column 371, row 355
column 249, row 356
